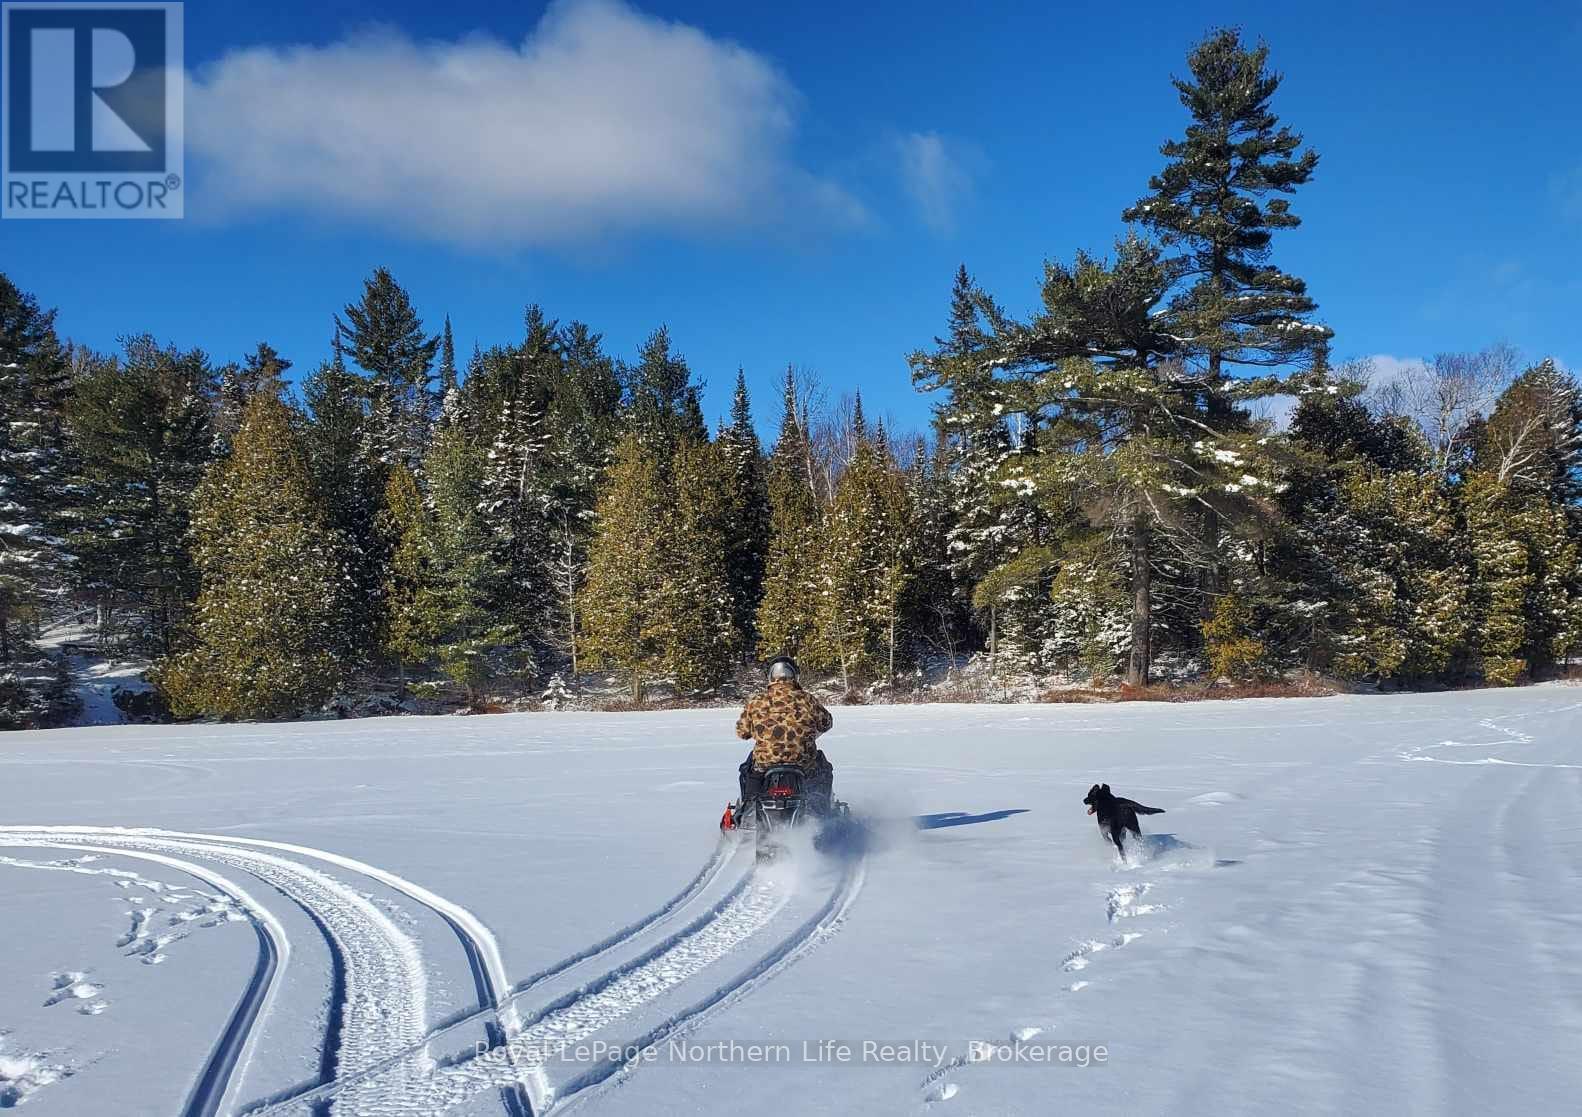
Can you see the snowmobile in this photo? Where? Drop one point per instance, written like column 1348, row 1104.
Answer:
column 785, row 804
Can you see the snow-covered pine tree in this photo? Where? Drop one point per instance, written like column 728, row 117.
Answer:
column 271, row 578
column 1375, row 583
column 993, row 529
column 1500, row 527
column 141, row 440
column 384, row 336
column 866, row 568
column 786, row 615
column 1520, row 500
column 1220, row 199
column 347, row 488
column 515, row 503
column 34, row 383
column 449, row 381
column 747, row 535
column 1124, row 443
column 624, row 562
column 692, row 622
column 465, row 630
column 584, row 415
column 663, row 401
column 262, row 370
column 409, row 621
column 937, row 617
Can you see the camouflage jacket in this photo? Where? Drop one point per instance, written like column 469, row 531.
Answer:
column 784, row 723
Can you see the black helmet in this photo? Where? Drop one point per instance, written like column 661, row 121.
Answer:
column 783, row 667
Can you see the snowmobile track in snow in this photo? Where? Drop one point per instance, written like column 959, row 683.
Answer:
column 217, row 1079
column 321, row 1093
column 744, row 910
column 385, row 980
column 377, row 1046
column 806, row 938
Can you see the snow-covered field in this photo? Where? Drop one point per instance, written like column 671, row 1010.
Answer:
column 1353, row 905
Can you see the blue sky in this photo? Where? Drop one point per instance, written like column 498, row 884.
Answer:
column 797, row 183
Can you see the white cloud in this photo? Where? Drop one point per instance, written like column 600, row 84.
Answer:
column 1387, row 374
column 603, row 120
column 933, row 171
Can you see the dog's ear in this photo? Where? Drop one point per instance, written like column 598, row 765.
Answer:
column 1106, row 788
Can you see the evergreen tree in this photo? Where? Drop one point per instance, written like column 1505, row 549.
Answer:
column 465, row 631
column 1220, row 199
column 141, row 440
column 347, row 485
column 515, row 504
column 746, row 538
column 585, row 410
column 786, row 615
column 518, row 498
column 267, row 610
column 866, row 568
column 1375, row 583
column 662, row 398
column 994, row 547
column 1124, row 444
column 262, row 370
column 384, row 336
column 448, row 381
column 409, row 624
column 692, row 623
column 937, row 613
column 34, row 384
column 624, row 561
column 1520, row 500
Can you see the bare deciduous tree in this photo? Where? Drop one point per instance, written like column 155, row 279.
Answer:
column 1445, row 397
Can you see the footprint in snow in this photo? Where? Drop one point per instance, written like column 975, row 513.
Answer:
column 72, row 986
column 943, row 1092
column 1078, row 958
column 1122, row 902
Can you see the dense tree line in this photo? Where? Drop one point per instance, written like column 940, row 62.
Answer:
column 1103, row 487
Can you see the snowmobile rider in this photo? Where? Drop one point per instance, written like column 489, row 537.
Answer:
column 784, row 724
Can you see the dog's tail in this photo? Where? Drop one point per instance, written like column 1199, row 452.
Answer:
column 1149, row 810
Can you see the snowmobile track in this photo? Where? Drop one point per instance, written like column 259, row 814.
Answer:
column 744, row 910
column 808, row 936
column 218, row 1077
column 352, row 1042
column 739, row 913
column 385, row 987
column 477, row 942
column 320, row 1094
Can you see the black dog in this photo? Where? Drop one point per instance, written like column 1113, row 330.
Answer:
column 1116, row 815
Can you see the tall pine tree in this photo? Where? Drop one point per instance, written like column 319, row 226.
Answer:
column 786, row 615
column 384, row 336
column 141, row 440
column 747, row 512
column 619, row 600
column 264, row 633
column 692, row 621
column 34, row 489
column 1220, row 199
